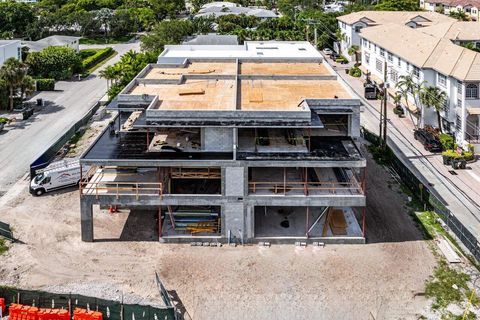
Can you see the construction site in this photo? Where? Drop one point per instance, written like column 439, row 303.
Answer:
column 242, row 143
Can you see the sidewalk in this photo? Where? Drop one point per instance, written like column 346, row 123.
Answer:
column 461, row 192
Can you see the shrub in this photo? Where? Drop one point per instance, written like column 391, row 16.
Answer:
column 3, row 120
column 355, row 72
column 341, row 59
column 45, row 84
column 94, row 59
column 447, row 141
column 468, row 155
column 85, row 53
column 451, row 154
column 54, row 62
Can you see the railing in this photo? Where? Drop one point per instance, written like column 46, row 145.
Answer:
column 307, row 188
column 208, row 173
column 117, row 188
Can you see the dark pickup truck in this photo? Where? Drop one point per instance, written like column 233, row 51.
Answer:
column 429, row 141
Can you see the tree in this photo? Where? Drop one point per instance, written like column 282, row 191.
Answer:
column 353, row 50
column 407, row 86
column 397, row 5
column 166, row 32
column 433, row 97
column 15, row 17
column 459, row 15
column 167, row 8
column 54, row 62
column 13, row 72
column 105, row 17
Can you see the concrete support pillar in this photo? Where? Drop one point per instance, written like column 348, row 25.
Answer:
column 86, row 211
column 354, row 125
column 234, row 217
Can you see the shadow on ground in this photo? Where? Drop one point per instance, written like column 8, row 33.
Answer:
column 388, row 217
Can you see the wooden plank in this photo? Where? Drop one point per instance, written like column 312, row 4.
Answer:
column 448, row 251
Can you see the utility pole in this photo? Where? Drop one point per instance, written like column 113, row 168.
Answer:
column 385, row 105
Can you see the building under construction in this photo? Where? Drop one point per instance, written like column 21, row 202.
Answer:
column 252, row 142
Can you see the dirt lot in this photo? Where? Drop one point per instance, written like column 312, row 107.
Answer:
column 379, row 279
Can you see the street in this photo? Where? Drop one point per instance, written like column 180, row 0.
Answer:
column 22, row 142
column 460, row 191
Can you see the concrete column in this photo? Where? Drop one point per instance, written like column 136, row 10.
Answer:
column 354, row 125
column 86, row 211
column 234, row 217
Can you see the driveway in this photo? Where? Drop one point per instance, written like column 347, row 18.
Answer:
column 22, row 142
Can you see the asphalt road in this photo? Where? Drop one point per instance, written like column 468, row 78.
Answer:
column 22, row 142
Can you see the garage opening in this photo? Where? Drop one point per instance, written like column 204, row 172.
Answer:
column 308, row 222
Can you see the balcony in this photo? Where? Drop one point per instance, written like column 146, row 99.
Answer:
column 303, row 182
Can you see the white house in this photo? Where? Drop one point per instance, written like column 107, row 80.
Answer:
column 10, row 49
column 436, row 61
column 53, row 41
column 352, row 24
column 470, row 7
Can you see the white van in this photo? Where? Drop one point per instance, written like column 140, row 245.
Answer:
column 57, row 175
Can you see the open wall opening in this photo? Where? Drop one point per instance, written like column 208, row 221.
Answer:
column 308, row 222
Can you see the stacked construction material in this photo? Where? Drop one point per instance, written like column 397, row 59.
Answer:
column 22, row 312
column 84, row 314
column 198, row 221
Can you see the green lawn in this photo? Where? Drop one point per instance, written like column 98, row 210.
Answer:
column 101, row 40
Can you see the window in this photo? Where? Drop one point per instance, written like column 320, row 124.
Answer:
column 471, row 91
column 394, row 76
column 458, row 125
column 459, row 88
column 446, row 106
column 416, row 72
column 358, row 29
column 382, row 52
column 367, row 58
column 441, row 79
column 379, row 65
column 399, row 62
column 390, row 57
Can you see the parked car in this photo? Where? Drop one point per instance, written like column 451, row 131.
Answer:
column 327, row 51
column 370, row 91
column 429, row 141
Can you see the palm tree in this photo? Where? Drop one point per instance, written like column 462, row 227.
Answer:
column 13, row 72
column 407, row 86
column 27, row 86
column 433, row 97
column 353, row 50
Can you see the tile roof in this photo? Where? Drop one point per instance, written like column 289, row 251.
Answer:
column 397, row 17
column 426, row 51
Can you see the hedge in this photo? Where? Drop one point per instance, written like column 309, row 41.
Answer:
column 45, row 84
column 91, row 61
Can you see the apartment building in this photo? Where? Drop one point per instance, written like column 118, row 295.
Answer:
column 352, row 24
column 434, row 61
column 233, row 143
column 10, row 49
column 470, row 7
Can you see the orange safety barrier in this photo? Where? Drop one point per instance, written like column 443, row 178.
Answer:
column 14, row 311
column 2, row 305
column 83, row 314
column 21, row 312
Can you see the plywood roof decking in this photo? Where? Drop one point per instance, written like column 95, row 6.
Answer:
column 286, row 95
column 283, row 68
column 211, row 68
column 217, row 95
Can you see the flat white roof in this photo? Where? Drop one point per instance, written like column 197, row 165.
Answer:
column 250, row 49
column 8, row 42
